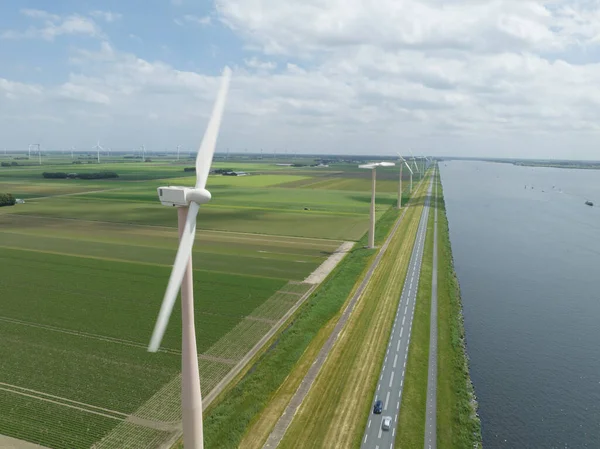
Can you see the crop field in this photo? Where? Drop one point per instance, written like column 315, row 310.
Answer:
column 84, row 267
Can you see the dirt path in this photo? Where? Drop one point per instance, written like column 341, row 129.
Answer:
column 319, row 275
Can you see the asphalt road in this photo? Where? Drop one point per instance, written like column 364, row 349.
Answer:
column 391, row 380
column 430, row 413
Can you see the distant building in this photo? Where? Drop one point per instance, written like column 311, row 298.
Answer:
column 284, row 165
column 235, row 173
column 19, row 201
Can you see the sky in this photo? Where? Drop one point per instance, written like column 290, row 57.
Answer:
column 475, row 78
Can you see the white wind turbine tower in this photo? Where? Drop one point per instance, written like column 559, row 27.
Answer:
column 178, row 148
column 97, row 147
column 373, row 167
column 188, row 201
column 402, row 162
column 143, row 150
column 411, row 173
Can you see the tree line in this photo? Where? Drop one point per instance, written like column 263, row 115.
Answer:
column 6, row 199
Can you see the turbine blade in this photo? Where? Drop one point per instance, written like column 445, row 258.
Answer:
column 181, row 260
column 209, row 141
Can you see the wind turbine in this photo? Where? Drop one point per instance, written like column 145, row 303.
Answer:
column 373, row 167
column 402, row 162
column 188, row 201
column 178, row 147
column 411, row 173
column 414, row 162
column 143, row 149
column 98, row 148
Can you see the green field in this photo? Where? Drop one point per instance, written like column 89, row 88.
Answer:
column 85, row 264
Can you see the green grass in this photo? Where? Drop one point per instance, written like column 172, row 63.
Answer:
column 226, row 422
column 411, row 423
column 73, row 293
column 458, row 425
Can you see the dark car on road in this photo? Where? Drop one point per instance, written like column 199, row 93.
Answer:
column 378, row 407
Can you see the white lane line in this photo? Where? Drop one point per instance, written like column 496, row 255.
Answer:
column 405, row 309
column 402, row 381
column 391, row 379
column 395, row 360
column 398, row 345
column 401, row 330
column 364, row 442
column 403, row 320
column 387, row 399
column 397, row 405
column 404, row 363
column 369, row 428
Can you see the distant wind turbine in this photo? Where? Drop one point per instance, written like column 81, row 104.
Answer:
column 373, row 167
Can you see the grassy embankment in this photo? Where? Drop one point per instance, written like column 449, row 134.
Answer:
column 458, row 425
column 411, row 422
column 336, row 408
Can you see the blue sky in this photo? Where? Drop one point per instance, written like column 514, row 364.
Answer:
column 500, row 78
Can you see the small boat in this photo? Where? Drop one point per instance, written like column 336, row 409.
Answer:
column 589, row 203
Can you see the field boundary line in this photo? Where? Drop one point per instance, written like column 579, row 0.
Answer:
column 86, row 410
column 283, row 238
column 86, row 334
column 41, row 393
column 153, row 264
column 73, row 194
column 286, row 418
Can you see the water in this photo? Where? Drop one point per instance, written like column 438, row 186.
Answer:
column 528, row 263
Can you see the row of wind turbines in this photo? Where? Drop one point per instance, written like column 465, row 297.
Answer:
column 188, row 201
column 373, row 167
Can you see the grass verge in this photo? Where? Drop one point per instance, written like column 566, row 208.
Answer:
column 458, row 424
column 411, row 423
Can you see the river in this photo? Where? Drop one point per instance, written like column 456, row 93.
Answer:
column 528, row 263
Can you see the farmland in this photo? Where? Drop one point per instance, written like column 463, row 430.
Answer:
column 85, row 264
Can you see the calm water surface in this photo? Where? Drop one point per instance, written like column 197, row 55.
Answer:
column 528, row 262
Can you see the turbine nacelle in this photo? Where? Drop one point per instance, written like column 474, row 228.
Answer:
column 176, row 196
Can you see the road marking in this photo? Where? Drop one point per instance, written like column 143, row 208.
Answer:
column 369, row 428
column 397, row 405
column 398, row 346
column 405, row 309
column 364, row 442
column 395, row 360
column 403, row 320
column 393, row 432
column 391, row 379
column 387, row 399
column 401, row 330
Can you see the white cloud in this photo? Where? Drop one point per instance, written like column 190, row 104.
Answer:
column 448, row 76
column 107, row 16
column 190, row 18
column 257, row 64
column 54, row 26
